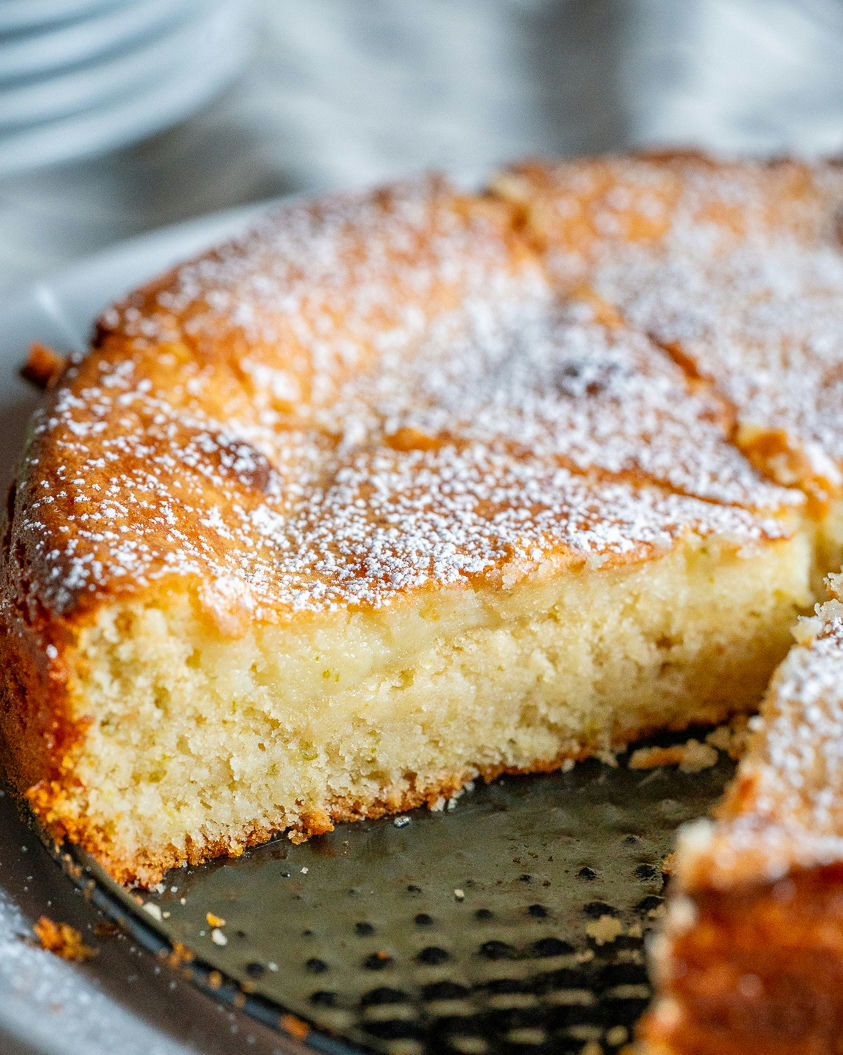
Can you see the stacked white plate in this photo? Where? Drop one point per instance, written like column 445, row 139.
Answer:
column 78, row 77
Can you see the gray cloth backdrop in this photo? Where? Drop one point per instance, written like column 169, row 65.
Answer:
column 343, row 93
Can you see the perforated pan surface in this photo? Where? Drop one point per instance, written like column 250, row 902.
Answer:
column 512, row 921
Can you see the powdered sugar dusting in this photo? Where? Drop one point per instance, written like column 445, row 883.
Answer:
column 361, row 398
column 765, row 323
column 362, row 526
column 737, row 267
column 547, row 378
column 328, row 284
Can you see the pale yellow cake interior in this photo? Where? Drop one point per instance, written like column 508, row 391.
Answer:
column 207, row 735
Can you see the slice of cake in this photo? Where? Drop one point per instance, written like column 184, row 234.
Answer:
column 751, row 957
column 356, row 508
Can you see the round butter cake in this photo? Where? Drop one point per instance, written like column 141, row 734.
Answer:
column 405, row 488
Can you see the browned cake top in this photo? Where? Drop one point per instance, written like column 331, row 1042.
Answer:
column 736, row 269
column 361, row 397
column 583, row 211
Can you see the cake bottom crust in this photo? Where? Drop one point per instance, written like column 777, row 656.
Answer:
column 146, row 869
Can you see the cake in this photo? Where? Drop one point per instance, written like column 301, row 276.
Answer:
column 401, row 489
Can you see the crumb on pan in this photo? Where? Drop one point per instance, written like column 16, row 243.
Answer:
column 731, row 737
column 691, row 757
column 62, row 940
column 43, row 366
column 294, row 1026
column 604, row 930
column 178, row 955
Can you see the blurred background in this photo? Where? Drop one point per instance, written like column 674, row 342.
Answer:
column 118, row 116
